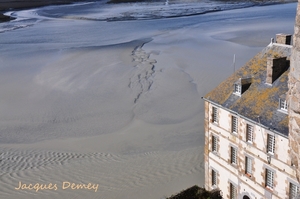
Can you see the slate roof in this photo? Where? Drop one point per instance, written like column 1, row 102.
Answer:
column 260, row 99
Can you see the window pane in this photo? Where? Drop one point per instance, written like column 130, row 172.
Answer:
column 233, row 155
column 215, row 115
column 214, row 144
column 213, row 177
column 294, row 191
column 249, row 133
column 233, row 191
column 237, row 89
column 283, row 105
column 234, row 124
column 248, row 165
column 270, row 143
column 269, row 178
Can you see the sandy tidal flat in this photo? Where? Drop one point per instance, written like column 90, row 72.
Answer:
column 95, row 109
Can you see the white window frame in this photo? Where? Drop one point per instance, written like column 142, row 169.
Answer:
column 249, row 133
column 248, row 166
column 232, row 191
column 214, row 143
column 237, row 89
column 213, row 178
column 215, row 118
column 234, row 124
column 233, row 155
column 293, row 191
column 270, row 144
column 283, row 105
column 269, row 178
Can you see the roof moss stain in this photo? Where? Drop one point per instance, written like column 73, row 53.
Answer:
column 284, row 122
column 258, row 102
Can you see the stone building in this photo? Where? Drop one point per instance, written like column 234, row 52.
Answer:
column 247, row 150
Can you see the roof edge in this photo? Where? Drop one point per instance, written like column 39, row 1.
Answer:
column 245, row 118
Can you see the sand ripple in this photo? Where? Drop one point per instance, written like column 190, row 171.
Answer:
column 114, row 174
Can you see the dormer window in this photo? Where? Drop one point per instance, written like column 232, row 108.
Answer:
column 237, row 89
column 283, row 105
column 241, row 85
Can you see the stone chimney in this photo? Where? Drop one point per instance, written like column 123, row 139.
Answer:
column 275, row 68
column 293, row 97
column 283, row 39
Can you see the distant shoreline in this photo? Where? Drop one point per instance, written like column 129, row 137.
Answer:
column 6, row 5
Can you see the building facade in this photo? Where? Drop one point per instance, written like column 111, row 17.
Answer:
column 247, row 150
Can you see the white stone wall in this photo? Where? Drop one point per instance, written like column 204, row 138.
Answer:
column 253, row 186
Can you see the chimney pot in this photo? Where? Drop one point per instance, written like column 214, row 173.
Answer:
column 275, row 68
column 283, row 39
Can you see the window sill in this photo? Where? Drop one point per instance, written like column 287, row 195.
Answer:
column 215, row 123
column 214, row 186
column 270, row 154
column 249, row 142
column 269, row 189
column 233, row 164
column 283, row 111
column 234, row 133
column 248, row 175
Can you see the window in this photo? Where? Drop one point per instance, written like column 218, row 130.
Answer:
column 237, row 89
column 248, row 166
column 233, row 155
column 234, row 124
column 214, row 144
column 283, row 104
column 215, row 115
column 213, row 178
column 249, row 133
column 294, row 191
column 269, row 178
column 270, row 143
column 233, row 191
column 241, row 85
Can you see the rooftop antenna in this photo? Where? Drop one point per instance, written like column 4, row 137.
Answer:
column 234, row 65
column 234, row 62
